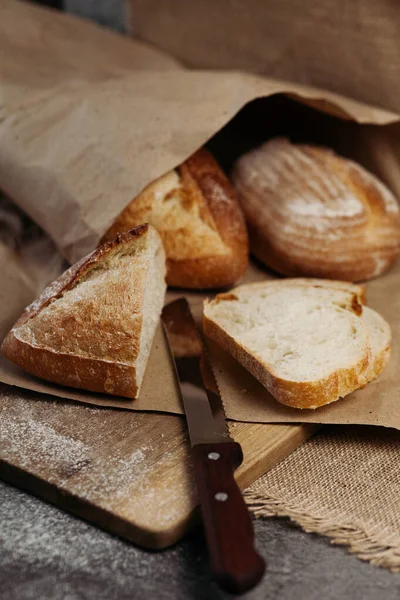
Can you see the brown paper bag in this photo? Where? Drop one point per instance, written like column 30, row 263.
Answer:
column 80, row 137
column 350, row 48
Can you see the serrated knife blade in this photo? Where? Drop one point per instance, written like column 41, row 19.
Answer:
column 236, row 565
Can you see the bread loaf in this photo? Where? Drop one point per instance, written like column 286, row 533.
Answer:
column 94, row 326
column 309, row 344
column 312, row 213
column 196, row 212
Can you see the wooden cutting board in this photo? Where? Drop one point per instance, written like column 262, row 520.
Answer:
column 127, row 472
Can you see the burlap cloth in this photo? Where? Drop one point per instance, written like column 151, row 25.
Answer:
column 343, row 483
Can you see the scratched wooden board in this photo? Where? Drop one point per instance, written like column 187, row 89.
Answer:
column 127, row 472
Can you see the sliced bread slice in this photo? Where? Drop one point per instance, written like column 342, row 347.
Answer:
column 94, row 326
column 304, row 341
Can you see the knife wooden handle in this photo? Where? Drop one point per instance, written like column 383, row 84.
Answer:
column 236, row 565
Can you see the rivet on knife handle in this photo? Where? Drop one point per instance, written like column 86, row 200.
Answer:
column 236, row 565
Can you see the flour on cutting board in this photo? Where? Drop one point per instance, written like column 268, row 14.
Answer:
column 38, row 443
column 29, row 438
column 94, row 460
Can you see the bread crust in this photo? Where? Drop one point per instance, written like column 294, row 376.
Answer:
column 94, row 374
column 201, row 183
column 313, row 213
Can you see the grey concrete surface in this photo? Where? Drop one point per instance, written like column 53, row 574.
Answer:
column 46, row 554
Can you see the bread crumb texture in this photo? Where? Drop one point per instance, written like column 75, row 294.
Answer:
column 309, row 344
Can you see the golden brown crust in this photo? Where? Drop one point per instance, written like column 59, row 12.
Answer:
column 225, row 297
column 74, row 371
column 356, row 306
column 76, row 346
column 214, row 258
column 313, row 213
column 216, row 271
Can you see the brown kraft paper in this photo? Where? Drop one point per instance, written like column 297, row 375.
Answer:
column 347, row 47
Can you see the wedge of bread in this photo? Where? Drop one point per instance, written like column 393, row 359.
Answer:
column 93, row 327
column 309, row 342
column 195, row 210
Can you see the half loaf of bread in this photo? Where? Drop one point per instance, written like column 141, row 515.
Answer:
column 313, row 213
column 93, row 327
column 195, row 210
column 309, row 343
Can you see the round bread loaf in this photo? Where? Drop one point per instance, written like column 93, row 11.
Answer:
column 311, row 212
column 196, row 212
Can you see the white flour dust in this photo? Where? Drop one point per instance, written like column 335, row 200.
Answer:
column 81, row 451
column 34, row 441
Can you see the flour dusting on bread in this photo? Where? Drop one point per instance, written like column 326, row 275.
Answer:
column 93, row 328
column 313, row 213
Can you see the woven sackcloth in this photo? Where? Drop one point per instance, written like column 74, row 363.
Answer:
column 343, row 483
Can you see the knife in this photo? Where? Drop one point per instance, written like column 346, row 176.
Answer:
column 235, row 564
